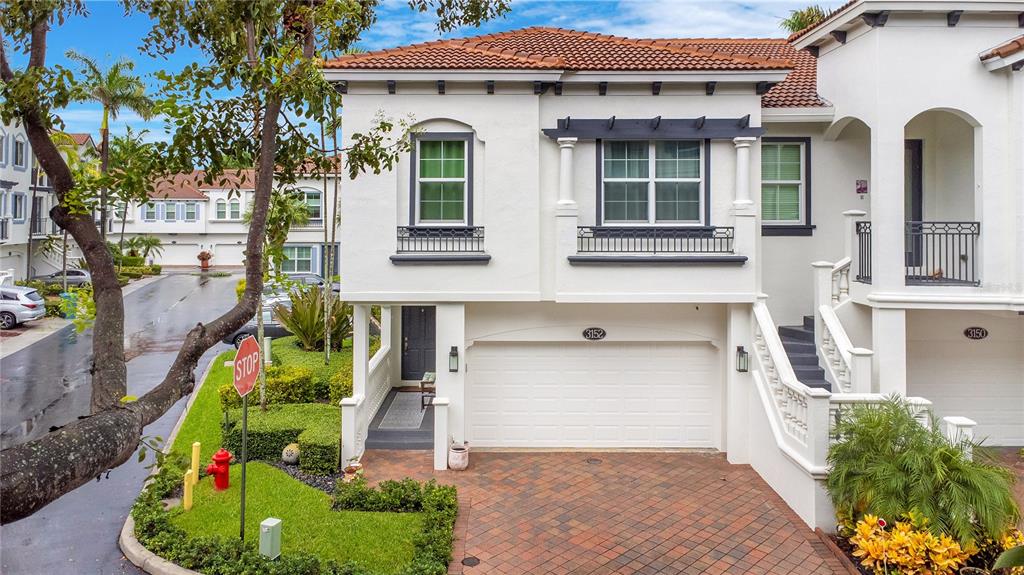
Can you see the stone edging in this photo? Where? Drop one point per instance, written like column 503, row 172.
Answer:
column 140, row 556
column 851, row 569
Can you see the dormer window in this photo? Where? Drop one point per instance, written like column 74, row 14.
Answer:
column 652, row 182
column 442, row 180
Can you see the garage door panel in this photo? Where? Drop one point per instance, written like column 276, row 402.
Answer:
column 593, row 395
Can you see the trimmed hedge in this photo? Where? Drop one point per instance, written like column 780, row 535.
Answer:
column 131, row 261
column 285, row 384
column 229, row 556
column 316, row 427
column 142, row 270
column 438, row 503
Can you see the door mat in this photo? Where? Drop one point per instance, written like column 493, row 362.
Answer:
column 403, row 413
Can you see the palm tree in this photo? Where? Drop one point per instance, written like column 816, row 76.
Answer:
column 115, row 89
column 149, row 245
column 804, row 18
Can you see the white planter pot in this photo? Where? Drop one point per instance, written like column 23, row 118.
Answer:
column 458, row 456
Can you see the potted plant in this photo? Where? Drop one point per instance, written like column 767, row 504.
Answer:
column 204, row 259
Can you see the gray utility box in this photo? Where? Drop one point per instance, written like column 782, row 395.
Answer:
column 270, row 537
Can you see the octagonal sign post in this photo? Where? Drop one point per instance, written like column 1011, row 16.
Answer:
column 247, row 369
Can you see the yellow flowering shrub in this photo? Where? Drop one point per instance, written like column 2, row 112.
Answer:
column 906, row 547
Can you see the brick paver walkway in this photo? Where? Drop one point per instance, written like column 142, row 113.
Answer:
column 597, row 513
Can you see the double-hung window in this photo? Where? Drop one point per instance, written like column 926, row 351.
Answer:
column 149, row 212
column 656, row 182
column 297, row 259
column 170, row 211
column 191, row 211
column 18, row 207
column 442, row 181
column 235, row 209
column 315, row 207
column 222, row 210
column 783, row 183
column 20, row 157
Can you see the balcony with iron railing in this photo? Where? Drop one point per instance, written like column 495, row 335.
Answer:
column 653, row 244
column 935, row 253
column 43, row 227
column 440, row 244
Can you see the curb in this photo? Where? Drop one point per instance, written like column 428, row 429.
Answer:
column 140, row 556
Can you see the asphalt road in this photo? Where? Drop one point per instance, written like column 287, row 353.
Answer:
column 46, row 384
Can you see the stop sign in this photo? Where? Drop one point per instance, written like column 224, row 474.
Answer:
column 247, row 365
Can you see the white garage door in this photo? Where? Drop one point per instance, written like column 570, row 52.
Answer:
column 179, row 254
column 229, row 254
column 602, row 394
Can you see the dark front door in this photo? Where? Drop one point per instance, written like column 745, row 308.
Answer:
column 913, row 205
column 418, row 346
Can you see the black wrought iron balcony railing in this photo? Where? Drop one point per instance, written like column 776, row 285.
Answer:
column 43, row 227
column 654, row 240
column 935, row 253
column 942, row 253
column 440, row 240
column 864, row 252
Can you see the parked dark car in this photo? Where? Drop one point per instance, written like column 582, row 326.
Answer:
column 271, row 328
column 75, row 278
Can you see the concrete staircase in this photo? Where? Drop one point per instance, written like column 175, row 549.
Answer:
column 799, row 343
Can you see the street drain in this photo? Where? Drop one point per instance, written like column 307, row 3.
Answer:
column 593, row 461
column 471, row 561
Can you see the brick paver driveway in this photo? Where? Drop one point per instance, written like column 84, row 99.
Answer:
column 581, row 513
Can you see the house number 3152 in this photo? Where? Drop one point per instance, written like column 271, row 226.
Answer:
column 594, row 333
column 975, row 333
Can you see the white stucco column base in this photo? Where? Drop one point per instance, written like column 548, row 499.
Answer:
column 888, row 222
column 451, row 332
column 442, row 437
column 889, row 342
column 737, row 385
column 360, row 348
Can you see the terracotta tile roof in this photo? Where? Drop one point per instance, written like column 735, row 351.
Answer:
column 542, row 48
column 798, row 90
column 1004, row 50
column 831, row 15
column 189, row 186
column 81, row 139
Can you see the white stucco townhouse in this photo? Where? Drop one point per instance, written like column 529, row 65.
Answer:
column 190, row 215
column 604, row 242
column 26, row 196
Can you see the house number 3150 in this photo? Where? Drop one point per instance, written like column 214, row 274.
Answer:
column 975, row 333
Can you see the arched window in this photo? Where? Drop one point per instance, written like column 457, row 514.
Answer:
column 222, row 210
column 236, row 210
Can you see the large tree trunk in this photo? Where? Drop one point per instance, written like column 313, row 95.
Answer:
column 36, row 473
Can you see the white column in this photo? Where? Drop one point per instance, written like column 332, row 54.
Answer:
column 860, row 370
column 742, row 199
column 889, row 341
column 822, row 296
column 960, row 431
column 888, row 223
column 738, row 385
column 385, row 326
column 360, row 348
column 565, row 172
column 451, row 332
column 442, row 436
column 349, row 435
column 851, row 217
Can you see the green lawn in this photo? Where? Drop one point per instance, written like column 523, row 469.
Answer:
column 286, row 351
column 204, row 419
column 381, row 541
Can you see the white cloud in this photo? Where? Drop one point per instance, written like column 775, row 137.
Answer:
column 87, row 119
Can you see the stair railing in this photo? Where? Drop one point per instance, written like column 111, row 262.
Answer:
column 847, row 366
column 798, row 413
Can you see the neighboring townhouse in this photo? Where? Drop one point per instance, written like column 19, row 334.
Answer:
column 190, row 216
column 26, row 197
column 604, row 242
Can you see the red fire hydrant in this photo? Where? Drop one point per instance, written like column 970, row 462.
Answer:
column 219, row 469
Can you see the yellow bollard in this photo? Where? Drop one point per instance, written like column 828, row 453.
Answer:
column 186, row 501
column 195, row 463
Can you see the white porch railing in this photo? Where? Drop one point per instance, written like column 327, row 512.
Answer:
column 848, row 367
column 798, row 414
column 357, row 411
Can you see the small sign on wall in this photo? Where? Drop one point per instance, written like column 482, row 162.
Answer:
column 975, row 333
column 862, row 187
column 594, row 333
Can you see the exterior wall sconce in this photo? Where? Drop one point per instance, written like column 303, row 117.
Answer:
column 453, row 359
column 742, row 359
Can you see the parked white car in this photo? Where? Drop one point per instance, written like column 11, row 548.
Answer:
column 20, row 304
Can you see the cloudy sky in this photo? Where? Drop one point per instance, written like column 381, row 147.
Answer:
column 107, row 34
